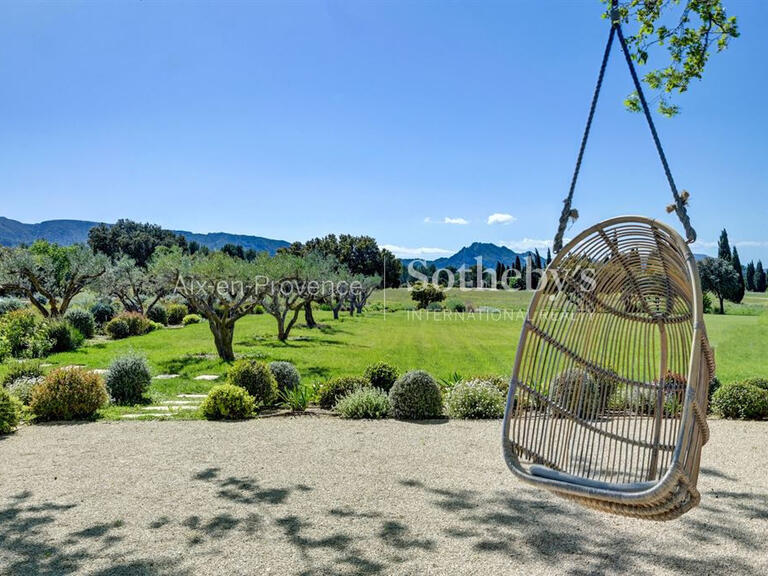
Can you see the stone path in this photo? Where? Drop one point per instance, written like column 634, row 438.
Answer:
column 181, row 403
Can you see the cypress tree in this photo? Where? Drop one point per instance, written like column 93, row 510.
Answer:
column 750, row 278
column 549, row 257
column 518, row 266
column 724, row 247
column 759, row 278
column 738, row 295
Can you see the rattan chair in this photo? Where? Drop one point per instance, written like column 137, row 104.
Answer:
column 608, row 399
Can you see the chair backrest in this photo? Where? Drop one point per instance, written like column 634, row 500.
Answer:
column 613, row 364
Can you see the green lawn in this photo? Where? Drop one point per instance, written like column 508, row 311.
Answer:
column 440, row 344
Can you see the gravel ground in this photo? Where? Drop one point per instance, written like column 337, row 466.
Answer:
column 315, row 495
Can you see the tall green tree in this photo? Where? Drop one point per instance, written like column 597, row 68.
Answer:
column 738, row 294
column 689, row 30
column 724, row 247
column 750, row 276
column 718, row 277
column 759, row 278
column 49, row 275
column 133, row 239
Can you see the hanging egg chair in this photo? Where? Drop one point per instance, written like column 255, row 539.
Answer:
column 608, row 398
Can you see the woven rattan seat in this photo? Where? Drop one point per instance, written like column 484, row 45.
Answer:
column 608, row 399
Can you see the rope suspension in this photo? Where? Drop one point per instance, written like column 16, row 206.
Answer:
column 680, row 199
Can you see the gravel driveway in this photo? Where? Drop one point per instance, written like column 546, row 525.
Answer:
column 314, row 495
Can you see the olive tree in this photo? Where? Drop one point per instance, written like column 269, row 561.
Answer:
column 221, row 288
column 137, row 289
column 49, row 275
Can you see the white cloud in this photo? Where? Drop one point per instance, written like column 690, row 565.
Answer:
column 702, row 244
column 750, row 243
column 428, row 220
column 499, row 218
column 530, row 244
column 404, row 252
column 448, row 220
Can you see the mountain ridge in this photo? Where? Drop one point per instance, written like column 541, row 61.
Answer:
column 66, row 232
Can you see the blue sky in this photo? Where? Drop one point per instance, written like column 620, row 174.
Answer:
column 413, row 122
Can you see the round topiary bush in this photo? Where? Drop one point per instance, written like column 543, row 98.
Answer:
column 761, row 383
column 475, row 399
column 64, row 336
column 158, row 314
column 191, row 319
column 382, row 375
column 103, row 312
column 332, row 390
column 82, row 320
column 256, row 378
column 118, row 328
column 68, row 394
column 10, row 411
column 367, row 402
column 176, row 313
column 579, row 393
column 416, row 396
column 228, row 402
column 741, row 401
column 128, row 378
column 286, row 375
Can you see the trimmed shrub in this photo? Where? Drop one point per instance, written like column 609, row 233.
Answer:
column 475, row 399
column 741, row 401
column 416, row 396
column 118, row 328
column 68, row 394
column 82, row 320
column 256, row 378
column 103, row 312
column 128, row 324
column 10, row 411
column 331, row 391
column 761, row 383
column 22, row 387
column 11, row 304
column 579, row 393
column 455, row 305
column 500, row 382
column 285, row 374
column 228, row 402
column 128, row 378
column 176, row 313
column 23, row 369
column 158, row 314
column 258, row 309
column 434, row 307
column 706, row 303
column 137, row 324
column 64, row 336
column 382, row 375
column 23, row 335
column 365, row 402
column 191, row 319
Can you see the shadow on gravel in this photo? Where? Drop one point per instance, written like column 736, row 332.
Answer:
column 530, row 527
column 27, row 549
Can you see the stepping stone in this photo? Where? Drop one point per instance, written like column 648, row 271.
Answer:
column 207, row 377
column 192, row 396
column 72, row 366
column 99, row 371
column 135, row 416
column 166, row 376
column 195, row 407
column 156, row 409
column 178, row 402
column 46, row 365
